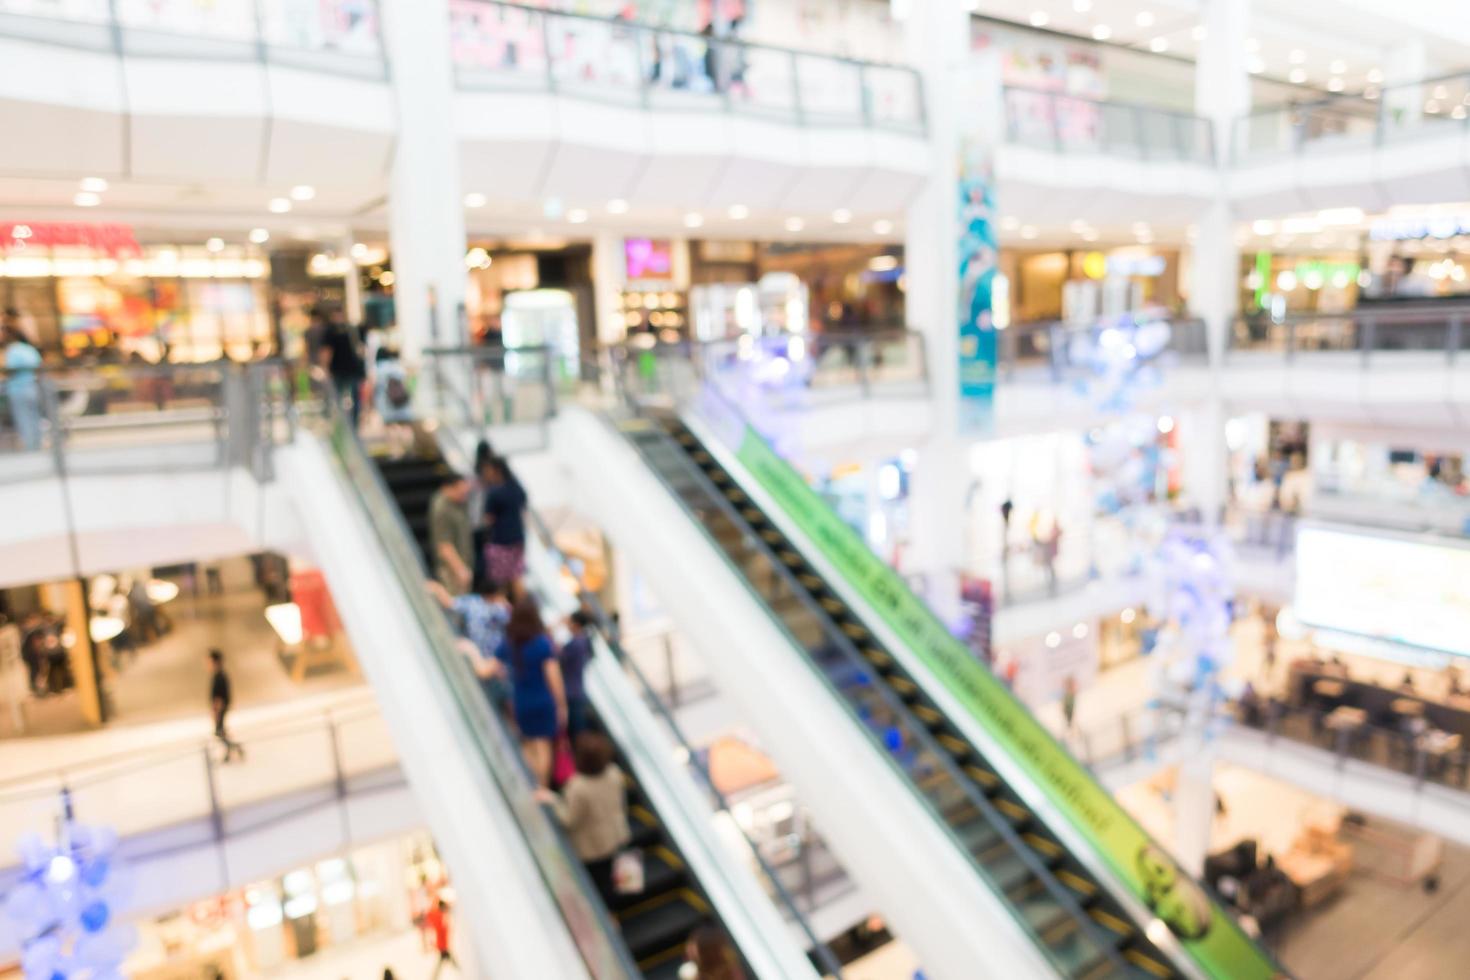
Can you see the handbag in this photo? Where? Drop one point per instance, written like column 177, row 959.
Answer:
column 563, row 765
column 627, row 872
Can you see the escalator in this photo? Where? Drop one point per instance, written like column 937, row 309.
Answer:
column 1059, row 899
column 656, row 923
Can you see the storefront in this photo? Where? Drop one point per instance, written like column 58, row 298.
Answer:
column 1079, row 286
column 532, row 294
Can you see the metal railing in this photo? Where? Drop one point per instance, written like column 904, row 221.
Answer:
column 340, row 36
column 346, row 747
column 1365, row 332
column 1075, row 124
column 510, row 47
column 1373, row 117
column 1044, row 347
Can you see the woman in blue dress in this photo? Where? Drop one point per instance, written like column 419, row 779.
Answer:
column 537, row 693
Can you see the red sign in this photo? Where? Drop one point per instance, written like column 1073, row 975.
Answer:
column 115, row 240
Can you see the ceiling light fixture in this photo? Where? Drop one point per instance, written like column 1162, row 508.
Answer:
column 94, row 185
column 1145, row 18
column 842, row 216
column 474, row 199
column 279, row 205
column 1028, row 231
column 617, row 206
column 215, row 244
column 86, row 199
column 358, row 250
column 1297, row 76
column 795, row 224
column 1255, row 66
column 1338, row 66
column 693, row 219
column 1334, row 84
column 738, row 212
column 1039, row 18
column 1159, row 45
column 882, row 227
column 577, row 216
column 1375, row 75
column 259, row 236
column 303, row 192
column 1102, row 32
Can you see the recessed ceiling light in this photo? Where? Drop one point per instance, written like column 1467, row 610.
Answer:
column 86, row 199
column 303, row 192
column 279, row 205
column 1078, row 226
column 95, row 185
column 358, row 250
column 882, row 227
column 215, row 244
column 1337, row 67
column 259, row 236
column 1159, row 45
column 1297, row 56
column 1255, row 66
column 1198, row 32
column 1089, row 235
column 1039, row 18
column 1082, row 6
column 1028, row 231
column 842, row 216
column 693, row 219
column 576, row 216
column 474, row 199
column 795, row 224
column 1375, row 75
column 1010, row 222
column 1296, row 76
column 1334, row 84
column 617, row 206
column 1145, row 18
column 1102, row 32
column 738, row 212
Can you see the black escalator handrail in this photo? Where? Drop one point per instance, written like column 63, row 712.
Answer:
column 397, row 537
column 610, row 636
column 998, row 822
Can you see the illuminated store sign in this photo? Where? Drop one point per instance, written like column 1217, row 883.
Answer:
column 1420, row 227
column 115, row 240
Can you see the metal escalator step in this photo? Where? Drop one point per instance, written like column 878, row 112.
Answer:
column 661, row 923
column 1012, row 811
column 1048, row 849
column 903, row 686
column 771, row 537
column 927, row 715
column 854, row 631
column 790, row 558
column 1118, row 927
column 984, row 777
column 809, row 581
column 833, row 606
column 1147, row 963
column 1043, row 913
column 1079, row 885
column 876, row 656
column 977, row 835
column 1005, row 867
column 956, row 747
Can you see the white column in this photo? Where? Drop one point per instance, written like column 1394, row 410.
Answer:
column 937, row 37
column 1404, row 64
column 425, row 205
column 351, row 282
column 1205, row 456
column 1194, row 809
column 608, row 270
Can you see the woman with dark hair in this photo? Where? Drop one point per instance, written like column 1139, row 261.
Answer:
column 713, row 955
column 537, row 693
column 593, row 806
column 505, row 510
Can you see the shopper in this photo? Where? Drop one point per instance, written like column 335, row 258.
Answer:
column 593, row 806
column 219, row 702
column 339, row 353
column 1069, row 702
column 482, row 617
column 22, row 387
column 438, row 922
column 394, row 402
column 537, row 694
column 505, row 513
column 14, row 684
column 574, row 658
column 450, row 537
column 713, row 955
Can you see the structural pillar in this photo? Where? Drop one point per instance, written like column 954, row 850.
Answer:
column 425, row 205
column 351, row 281
column 1194, row 808
column 608, row 273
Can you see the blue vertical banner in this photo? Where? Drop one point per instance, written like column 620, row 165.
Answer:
column 978, row 257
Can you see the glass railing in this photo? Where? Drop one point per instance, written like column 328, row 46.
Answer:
column 1439, row 330
column 566, row 880
column 691, row 758
column 509, row 47
column 1074, row 124
column 329, row 35
column 1043, row 349
column 1375, row 116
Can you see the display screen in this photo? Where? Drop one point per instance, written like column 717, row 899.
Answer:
column 1400, row 589
column 648, row 258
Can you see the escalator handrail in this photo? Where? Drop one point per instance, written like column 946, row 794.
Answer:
column 849, row 651
column 386, row 520
column 609, row 633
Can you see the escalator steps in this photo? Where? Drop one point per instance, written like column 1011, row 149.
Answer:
column 1147, row 963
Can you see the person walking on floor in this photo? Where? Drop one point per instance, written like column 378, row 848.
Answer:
column 219, row 702
column 537, row 693
column 339, row 353
column 22, row 388
column 593, row 806
column 438, row 922
column 450, row 535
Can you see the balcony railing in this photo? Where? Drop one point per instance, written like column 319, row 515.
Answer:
column 1073, row 124
column 1360, row 334
column 340, row 36
column 1043, row 348
column 1410, row 111
column 509, row 47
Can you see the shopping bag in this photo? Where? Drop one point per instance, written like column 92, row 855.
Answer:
column 563, row 766
column 627, row 872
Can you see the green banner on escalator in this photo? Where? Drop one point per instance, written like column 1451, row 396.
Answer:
column 1204, row 929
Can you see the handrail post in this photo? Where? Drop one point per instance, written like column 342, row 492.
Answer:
column 1367, row 338
column 865, row 95
column 546, row 49
column 669, row 671
column 798, row 108
column 1453, row 337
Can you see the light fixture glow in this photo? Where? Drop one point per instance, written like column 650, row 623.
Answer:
column 738, row 212
column 1079, row 631
column 1159, row 45
column 1039, row 18
column 1334, row 84
column 1053, row 640
column 882, row 227
column 1102, row 32
column 215, row 244
column 842, row 216
column 617, row 206
column 279, row 205
column 303, row 192
column 259, row 236
column 474, row 199
column 1128, row 615
column 1145, row 18
column 1337, row 67
column 1297, row 76
column 1082, row 6
column 1375, row 75
column 1297, row 56
column 693, row 219
column 577, row 216
column 1166, row 424
column 795, row 224
column 94, row 185
column 358, row 250
column 1255, row 66
column 1028, row 231
column 86, row 199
